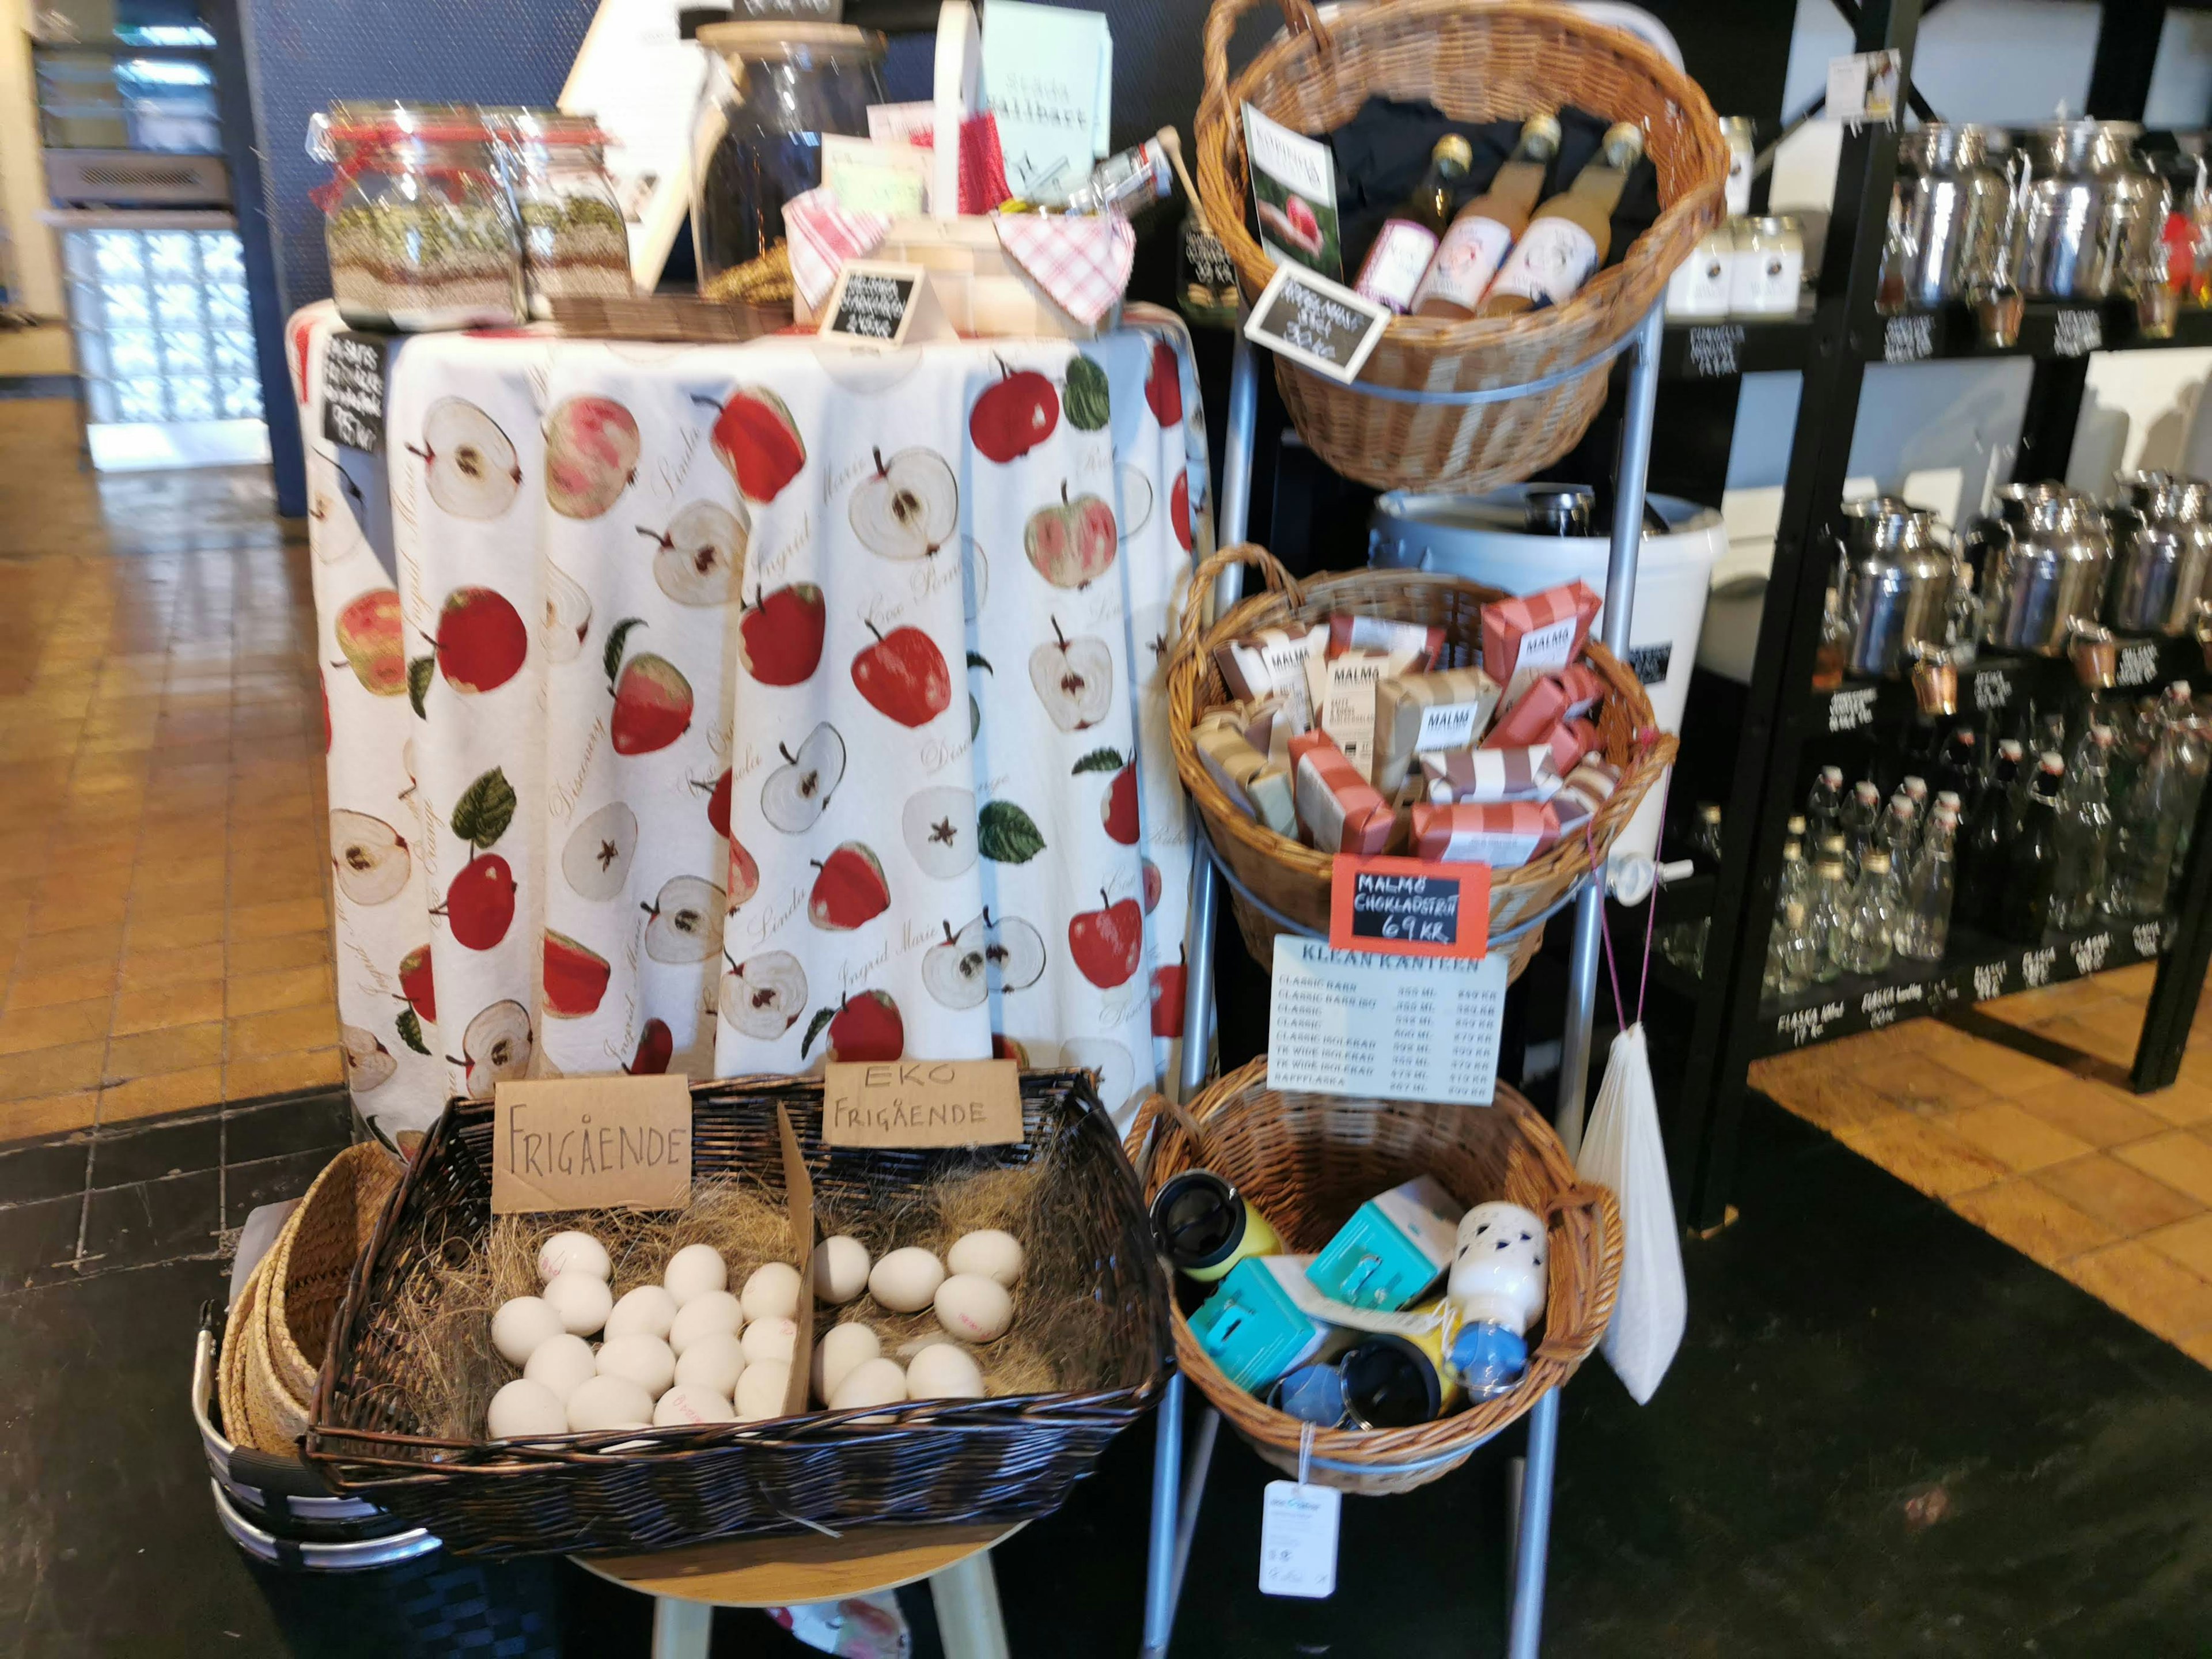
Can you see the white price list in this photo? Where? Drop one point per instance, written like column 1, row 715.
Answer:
column 1397, row 1028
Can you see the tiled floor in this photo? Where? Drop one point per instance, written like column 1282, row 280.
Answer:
column 2049, row 1152
column 164, row 908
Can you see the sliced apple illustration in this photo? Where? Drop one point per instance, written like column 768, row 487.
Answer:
column 701, row 556
column 1003, row 954
column 575, row 978
column 416, row 984
column 849, row 889
column 468, row 463
column 864, row 1027
column 908, row 508
column 496, row 1047
column 1164, row 385
column 334, row 501
column 764, row 995
column 903, row 676
column 718, row 800
column 755, row 438
column 1015, row 416
column 591, row 456
column 596, row 859
column 939, row 826
column 656, row 1046
column 480, row 639
column 369, row 1063
column 1074, row 678
column 1071, row 542
column 1109, row 1061
column 368, row 632
column 568, row 616
column 652, row 700
column 372, row 860
column 975, row 579
column 796, row 792
column 1168, row 999
column 745, row 875
column 1107, row 943
column 779, row 635
column 687, row 920
column 1136, row 500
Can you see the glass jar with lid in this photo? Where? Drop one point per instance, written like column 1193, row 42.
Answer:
column 772, row 89
column 574, row 242
column 421, row 233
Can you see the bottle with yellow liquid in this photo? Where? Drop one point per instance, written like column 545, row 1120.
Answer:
column 1567, row 237
column 1475, row 246
column 1408, row 239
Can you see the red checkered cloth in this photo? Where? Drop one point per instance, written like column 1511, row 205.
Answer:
column 983, row 163
column 1082, row 260
column 822, row 236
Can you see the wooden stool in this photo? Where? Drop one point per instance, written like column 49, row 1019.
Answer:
column 687, row 1584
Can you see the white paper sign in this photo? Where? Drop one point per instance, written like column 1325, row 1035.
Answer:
column 1394, row 1028
column 1862, row 86
column 1297, row 1539
column 637, row 74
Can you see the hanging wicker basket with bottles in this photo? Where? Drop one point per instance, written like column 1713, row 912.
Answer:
column 1426, row 411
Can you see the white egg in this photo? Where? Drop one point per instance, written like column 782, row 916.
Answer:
column 944, row 1371
column 693, row 1271
column 644, row 1360
column 871, row 1382
column 573, row 1252
column 836, row 1353
column 714, row 1363
column 520, row 1325
column 904, row 1280
column 687, row 1403
column 609, row 1402
column 974, row 1309
column 582, row 1301
column 768, row 1339
column 841, row 1269
column 561, row 1364
column 524, row 1408
column 989, row 1252
column 772, row 1292
column 760, row 1391
column 715, row 1313
column 649, row 1309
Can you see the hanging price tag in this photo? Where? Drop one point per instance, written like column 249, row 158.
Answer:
column 1297, row 1539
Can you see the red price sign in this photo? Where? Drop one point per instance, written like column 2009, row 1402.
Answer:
column 1408, row 907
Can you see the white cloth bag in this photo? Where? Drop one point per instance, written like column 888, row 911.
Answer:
column 1623, row 1150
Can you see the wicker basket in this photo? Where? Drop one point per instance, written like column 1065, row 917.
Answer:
column 1293, row 879
column 1476, row 60
column 1000, row 1459
column 1308, row 1161
column 312, row 1261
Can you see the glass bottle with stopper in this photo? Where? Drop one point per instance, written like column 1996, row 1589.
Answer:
column 1409, row 237
column 1486, row 226
column 1568, row 236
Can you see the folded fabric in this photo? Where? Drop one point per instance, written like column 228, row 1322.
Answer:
column 1340, row 811
column 1532, row 635
column 1415, row 713
column 1273, row 659
column 823, row 235
column 1082, row 260
column 1530, row 721
column 1417, row 644
column 1489, row 774
column 1502, row 835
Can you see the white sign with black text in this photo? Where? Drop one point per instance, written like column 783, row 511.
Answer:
column 1311, row 321
column 1394, row 1028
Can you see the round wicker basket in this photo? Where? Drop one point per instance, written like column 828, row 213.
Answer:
column 312, row 1261
column 1292, row 879
column 1306, row 1162
column 1476, row 60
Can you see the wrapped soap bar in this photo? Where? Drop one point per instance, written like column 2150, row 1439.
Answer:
column 1415, row 646
column 1570, row 741
column 1273, row 659
column 1525, row 638
column 1502, row 834
column 1530, row 721
column 1483, row 776
column 1414, row 713
column 1270, row 723
column 1588, row 788
column 1584, row 686
column 1340, row 809
column 1246, row 775
column 1344, row 702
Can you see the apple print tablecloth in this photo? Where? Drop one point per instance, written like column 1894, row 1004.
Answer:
column 724, row 709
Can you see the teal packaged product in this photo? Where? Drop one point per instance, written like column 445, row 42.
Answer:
column 1393, row 1249
column 1251, row 1327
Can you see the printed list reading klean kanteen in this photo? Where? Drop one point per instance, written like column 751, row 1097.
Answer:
column 542, row 1142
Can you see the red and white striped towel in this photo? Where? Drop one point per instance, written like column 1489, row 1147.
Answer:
column 824, row 235
column 1082, row 260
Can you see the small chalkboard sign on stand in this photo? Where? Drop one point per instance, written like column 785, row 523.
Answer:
column 1304, row 316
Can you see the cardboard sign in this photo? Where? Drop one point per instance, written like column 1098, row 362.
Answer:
column 798, row 1209
column 353, row 391
column 591, row 1143
column 1311, row 321
column 922, row 1102
column 1408, row 908
column 1387, row 1028
column 876, row 303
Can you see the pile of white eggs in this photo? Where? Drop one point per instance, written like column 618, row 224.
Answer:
column 686, row 1351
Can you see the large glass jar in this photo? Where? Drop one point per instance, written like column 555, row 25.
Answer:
column 421, row 233
column 773, row 89
column 574, row 243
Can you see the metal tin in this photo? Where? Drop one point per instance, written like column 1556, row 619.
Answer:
column 2162, row 554
column 2091, row 212
column 1559, row 509
column 1736, row 134
column 1767, row 268
column 1949, row 215
column 2046, row 557
column 1898, row 579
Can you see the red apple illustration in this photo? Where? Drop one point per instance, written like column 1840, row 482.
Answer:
column 1072, row 542
column 591, row 456
column 868, row 1027
column 744, row 874
column 1014, row 416
column 656, row 1046
column 903, row 676
column 1163, row 386
column 780, row 638
column 416, row 985
column 1179, row 511
column 1107, row 942
column 718, row 801
column 576, row 977
column 849, row 890
column 1167, row 1000
column 479, row 905
column 653, row 706
column 1004, row 1048
column 1153, row 885
column 368, row 632
column 759, row 441
column 480, row 639
column 1119, row 808
column 303, row 337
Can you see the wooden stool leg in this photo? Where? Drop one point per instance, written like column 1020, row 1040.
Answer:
column 968, row 1621
column 680, row 1628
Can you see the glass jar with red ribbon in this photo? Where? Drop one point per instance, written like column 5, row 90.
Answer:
column 575, row 242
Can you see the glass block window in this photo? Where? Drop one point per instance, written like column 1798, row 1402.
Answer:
column 162, row 326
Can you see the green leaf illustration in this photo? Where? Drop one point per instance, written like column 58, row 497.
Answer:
column 1088, row 403
column 418, row 683
column 615, row 638
column 485, row 809
column 1099, row 760
column 814, row 1028
column 975, row 660
column 974, row 718
column 410, row 1031
column 1006, row 835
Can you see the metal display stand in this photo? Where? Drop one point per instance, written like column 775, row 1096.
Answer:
column 1178, row 1494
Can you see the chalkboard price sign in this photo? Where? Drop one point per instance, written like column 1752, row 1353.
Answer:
column 1405, row 907
column 353, row 391
column 874, row 303
column 1311, row 321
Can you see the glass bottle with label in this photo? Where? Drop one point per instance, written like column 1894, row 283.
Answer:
column 1408, row 241
column 1568, row 236
column 1475, row 246
column 1875, row 902
column 2149, row 825
column 2084, row 834
column 1924, row 929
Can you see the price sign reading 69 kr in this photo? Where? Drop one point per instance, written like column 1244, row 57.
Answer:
column 1406, row 908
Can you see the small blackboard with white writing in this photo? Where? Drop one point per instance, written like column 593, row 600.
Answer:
column 873, row 303
column 1408, row 907
column 1311, row 321
column 353, row 391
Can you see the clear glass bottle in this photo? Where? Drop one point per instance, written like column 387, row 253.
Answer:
column 2148, row 826
column 1862, row 815
column 1567, row 238
column 1486, row 225
column 1705, row 837
column 1924, row 929
column 1832, row 654
column 1790, row 956
column 1915, row 789
column 1828, row 918
column 1824, row 805
column 2032, row 860
column 1795, row 885
column 1898, row 834
column 2084, row 834
column 1391, row 273
column 1871, row 937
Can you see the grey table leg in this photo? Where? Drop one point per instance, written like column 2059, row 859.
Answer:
column 1524, row 1635
column 969, row 1620
column 680, row 1628
column 1160, row 1551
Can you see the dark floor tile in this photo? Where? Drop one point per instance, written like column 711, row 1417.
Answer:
column 149, row 1154
column 53, row 1169
column 37, row 1237
column 152, row 1221
column 317, row 1123
column 246, row 1187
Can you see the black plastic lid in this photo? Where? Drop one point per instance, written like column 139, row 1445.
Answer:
column 1388, row 1384
column 1200, row 1219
